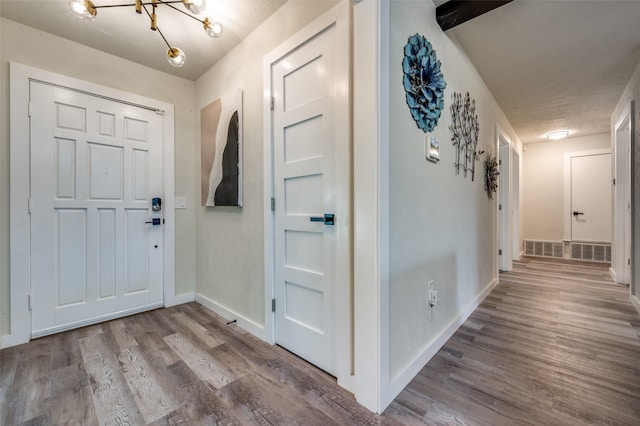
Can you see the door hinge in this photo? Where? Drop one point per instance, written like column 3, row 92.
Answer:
column 29, row 109
column 29, row 301
column 499, row 162
column 500, row 252
column 29, row 206
column 499, row 206
column 273, row 204
column 629, row 261
column 613, row 181
column 273, row 305
column 272, row 103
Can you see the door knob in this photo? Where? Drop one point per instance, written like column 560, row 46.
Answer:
column 577, row 213
column 327, row 219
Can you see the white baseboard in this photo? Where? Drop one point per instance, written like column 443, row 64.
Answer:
column 402, row 379
column 180, row 299
column 635, row 302
column 9, row 340
column 95, row 320
column 251, row 326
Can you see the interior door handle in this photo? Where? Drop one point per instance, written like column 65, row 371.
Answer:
column 577, row 213
column 327, row 219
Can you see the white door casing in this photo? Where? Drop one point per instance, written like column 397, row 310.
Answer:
column 504, row 204
column 621, row 250
column 591, row 198
column 515, row 204
column 20, row 78
column 307, row 172
column 95, row 165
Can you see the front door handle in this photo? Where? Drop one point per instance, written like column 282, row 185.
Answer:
column 327, row 219
column 577, row 213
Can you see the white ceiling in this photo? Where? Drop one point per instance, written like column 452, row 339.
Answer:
column 555, row 65
column 551, row 64
column 122, row 32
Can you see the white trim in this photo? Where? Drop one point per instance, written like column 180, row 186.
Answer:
column 340, row 17
column 230, row 315
column 402, row 379
column 567, row 186
column 371, row 201
column 96, row 320
column 180, row 299
column 618, row 195
column 635, row 302
column 505, row 263
column 19, row 283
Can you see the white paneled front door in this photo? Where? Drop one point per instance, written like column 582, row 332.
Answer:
column 95, row 166
column 304, row 92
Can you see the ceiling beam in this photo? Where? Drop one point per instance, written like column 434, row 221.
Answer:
column 456, row 12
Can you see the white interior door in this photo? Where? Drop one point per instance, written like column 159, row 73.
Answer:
column 591, row 198
column 303, row 89
column 95, row 165
column 504, row 209
column 515, row 205
column 622, row 206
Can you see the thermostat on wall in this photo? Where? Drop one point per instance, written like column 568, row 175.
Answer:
column 432, row 149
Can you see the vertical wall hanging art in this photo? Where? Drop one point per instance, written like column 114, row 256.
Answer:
column 221, row 149
column 423, row 82
column 491, row 174
column 464, row 133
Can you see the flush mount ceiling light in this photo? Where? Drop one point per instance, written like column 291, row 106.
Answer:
column 561, row 134
column 176, row 57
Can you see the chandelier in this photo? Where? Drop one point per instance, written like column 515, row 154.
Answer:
column 175, row 55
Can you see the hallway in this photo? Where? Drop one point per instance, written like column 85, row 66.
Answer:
column 554, row 343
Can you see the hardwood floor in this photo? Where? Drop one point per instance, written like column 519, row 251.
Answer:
column 555, row 343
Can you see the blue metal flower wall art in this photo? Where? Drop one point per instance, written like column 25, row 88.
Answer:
column 423, row 81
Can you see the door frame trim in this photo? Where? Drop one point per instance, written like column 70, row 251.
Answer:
column 505, row 263
column 618, row 268
column 20, row 260
column 567, row 186
column 339, row 16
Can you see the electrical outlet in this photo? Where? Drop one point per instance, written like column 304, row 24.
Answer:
column 432, row 294
column 433, row 300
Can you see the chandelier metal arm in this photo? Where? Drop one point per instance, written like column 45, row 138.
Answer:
column 133, row 4
column 157, row 28
column 176, row 57
column 168, row 3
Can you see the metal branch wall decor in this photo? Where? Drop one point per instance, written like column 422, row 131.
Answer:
column 423, row 82
column 491, row 174
column 464, row 133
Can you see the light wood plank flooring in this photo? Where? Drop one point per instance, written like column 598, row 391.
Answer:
column 555, row 343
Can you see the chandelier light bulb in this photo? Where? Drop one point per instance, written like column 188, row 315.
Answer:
column 195, row 6
column 213, row 29
column 176, row 56
column 83, row 8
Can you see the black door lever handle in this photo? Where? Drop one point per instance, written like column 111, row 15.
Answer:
column 577, row 213
column 327, row 219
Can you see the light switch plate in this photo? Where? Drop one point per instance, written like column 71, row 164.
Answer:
column 181, row 202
